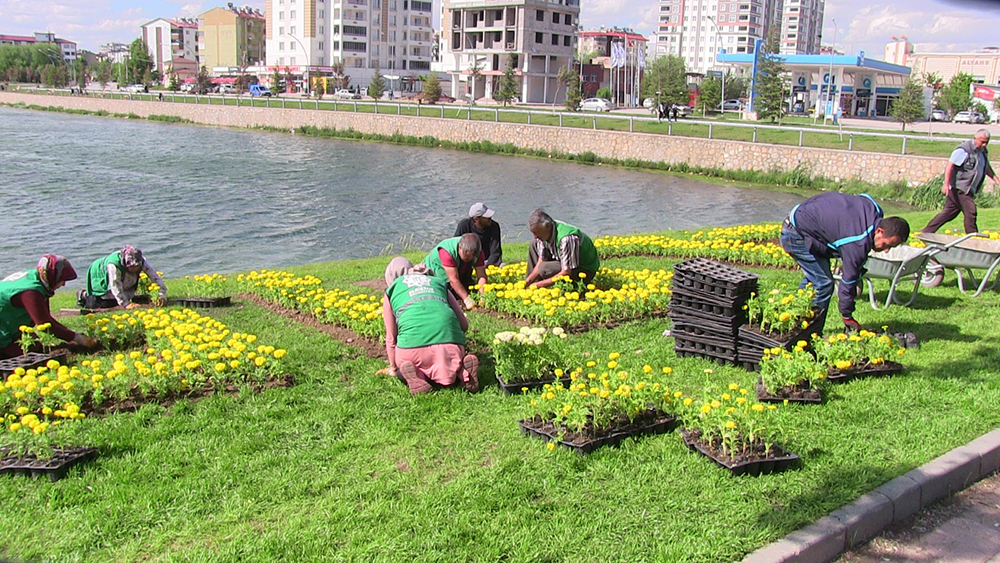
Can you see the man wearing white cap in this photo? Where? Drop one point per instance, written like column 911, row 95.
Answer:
column 480, row 224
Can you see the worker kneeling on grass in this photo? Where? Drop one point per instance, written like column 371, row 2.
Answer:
column 559, row 249
column 113, row 280
column 836, row 225
column 456, row 260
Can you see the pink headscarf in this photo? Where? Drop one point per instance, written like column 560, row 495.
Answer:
column 131, row 256
column 53, row 269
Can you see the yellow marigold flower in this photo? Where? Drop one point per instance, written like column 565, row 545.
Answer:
column 758, row 407
column 279, row 353
column 688, row 402
column 551, row 446
column 730, row 425
column 733, row 387
column 14, row 427
column 668, row 370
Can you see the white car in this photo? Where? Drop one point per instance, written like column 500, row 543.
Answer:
column 136, row 88
column 731, row 105
column 345, row 94
column 596, row 104
column 969, row 117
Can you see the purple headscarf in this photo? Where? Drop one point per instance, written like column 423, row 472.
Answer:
column 53, row 269
column 131, row 256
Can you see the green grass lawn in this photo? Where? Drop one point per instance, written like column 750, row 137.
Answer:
column 346, row 465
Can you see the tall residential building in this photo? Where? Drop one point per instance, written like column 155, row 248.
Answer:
column 801, row 26
column 537, row 37
column 231, row 37
column 697, row 30
column 395, row 36
column 173, row 45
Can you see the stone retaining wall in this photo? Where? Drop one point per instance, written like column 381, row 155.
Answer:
column 734, row 155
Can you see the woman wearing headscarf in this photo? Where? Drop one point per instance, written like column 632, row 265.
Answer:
column 24, row 301
column 425, row 330
column 113, row 280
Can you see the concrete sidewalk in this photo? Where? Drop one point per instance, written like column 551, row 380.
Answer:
column 963, row 528
column 970, row 535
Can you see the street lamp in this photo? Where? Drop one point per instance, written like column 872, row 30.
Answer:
column 829, row 85
column 305, row 73
column 717, row 53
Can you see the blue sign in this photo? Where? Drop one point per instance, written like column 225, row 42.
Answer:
column 717, row 73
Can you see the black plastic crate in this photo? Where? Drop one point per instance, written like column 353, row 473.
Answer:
column 709, row 297
column 704, row 348
column 699, row 330
column 704, row 339
column 681, row 314
column 704, row 285
column 716, row 274
column 730, row 311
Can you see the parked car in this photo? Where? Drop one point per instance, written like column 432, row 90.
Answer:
column 684, row 111
column 345, row 94
column 258, row 90
column 939, row 115
column 188, row 87
column 596, row 104
column 969, row 117
column 731, row 105
column 226, row 88
column 136, row 88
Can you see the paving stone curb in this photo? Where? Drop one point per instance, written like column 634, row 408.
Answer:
column 890, row 503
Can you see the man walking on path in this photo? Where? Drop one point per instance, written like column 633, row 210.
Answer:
column 836, row 225
column 967, row 169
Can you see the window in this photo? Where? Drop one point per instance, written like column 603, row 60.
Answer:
column 281, row 61
column 539, row 37
column 291, row 60
column 322, row 30
column 555, row 39
column 281, row 31
column 291, row 30
column 281, row 16
column 291, row 15
column 566, row 39
column 539, row 16
column 322, row 14
column 281, row 46
column 320, row 45
column 555, row 17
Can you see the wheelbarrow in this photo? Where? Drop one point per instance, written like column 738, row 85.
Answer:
column 903, row 263
column 962, row 254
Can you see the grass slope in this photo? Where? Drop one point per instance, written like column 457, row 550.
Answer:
column 348, row 466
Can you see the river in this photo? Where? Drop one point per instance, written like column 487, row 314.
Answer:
column 201, row 199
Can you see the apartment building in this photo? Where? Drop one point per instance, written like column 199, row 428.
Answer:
column 538, row 37
column 697, row 30
column 67, row 47
column 173, row 46
column 801, row 26
column 310, row 36
column 231, row 37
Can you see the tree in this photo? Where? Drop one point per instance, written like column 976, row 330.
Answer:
column 377, row 86
column 55, row 76
column 320, row 88
column 603, row 92
column 588, row 58
column 147, row 79
column 81, row 72
column 103, row 72
column 508, row 85
column 474, row 71
column 175, row 83
column 569, row 78
column 289, row 80
column 139, row 61
column 432, row 88
column 668, row 76
column 276, row 82
column 770, row 85
column 203, row 82
column 710, row 93
column 956, row 96
column 933, row 80
column 908, row 106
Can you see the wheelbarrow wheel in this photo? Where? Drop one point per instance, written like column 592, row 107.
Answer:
column 933, row 274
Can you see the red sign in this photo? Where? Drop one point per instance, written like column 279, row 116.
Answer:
column 985, row 93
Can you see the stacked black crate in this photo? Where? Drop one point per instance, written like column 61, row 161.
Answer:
column 706, row 309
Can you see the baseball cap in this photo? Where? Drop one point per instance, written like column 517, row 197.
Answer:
column 480, row 210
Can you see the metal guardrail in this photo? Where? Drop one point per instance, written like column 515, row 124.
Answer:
column 421, row 109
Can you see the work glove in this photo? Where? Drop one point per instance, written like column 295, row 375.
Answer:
column 851, row 324
column 88, row 342
column 469, row 302
column 160, row 302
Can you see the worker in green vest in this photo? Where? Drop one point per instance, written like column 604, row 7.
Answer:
column 559, row 249
column 455, row 260
column 24, row 301
column 113, row 280
column 425, row 331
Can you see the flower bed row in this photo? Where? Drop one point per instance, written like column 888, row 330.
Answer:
column 744, row 244
column 184, row 353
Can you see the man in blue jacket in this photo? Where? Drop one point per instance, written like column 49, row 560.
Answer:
column 836, row 225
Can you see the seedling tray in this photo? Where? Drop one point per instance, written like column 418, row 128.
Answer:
column 779, row 461
column 843, row 376
column 716, row 274
column 516, row 388
column 204, row 302
column 684, row 315
column 680, row 299
column 810, row 396
column 54, row 468
column 700, row 284
column 584, row 446
column 30, row 360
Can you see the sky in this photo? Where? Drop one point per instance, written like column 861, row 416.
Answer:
column 931, row 25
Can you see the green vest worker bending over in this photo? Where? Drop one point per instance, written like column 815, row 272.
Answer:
column 454, row 261
column 113, row 280
column 425, row 330
column 559, row 249
column 24, row 301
